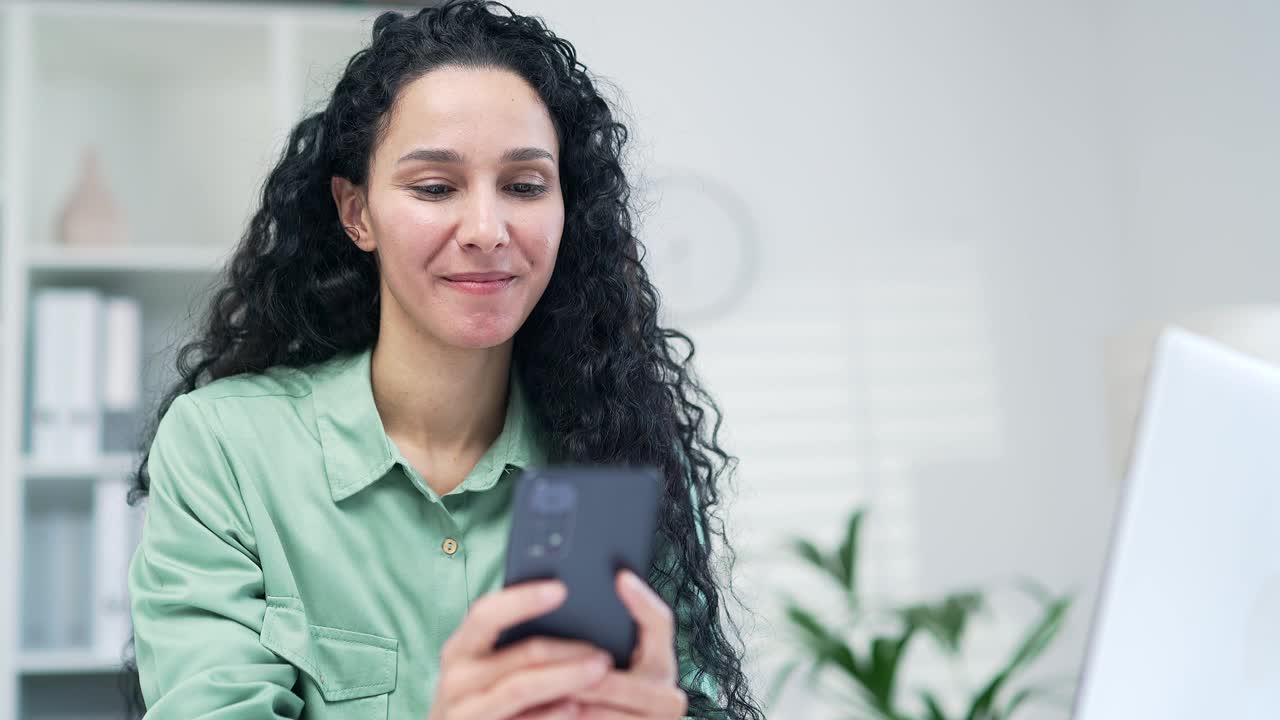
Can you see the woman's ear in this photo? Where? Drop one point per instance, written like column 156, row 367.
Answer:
column 351, row 202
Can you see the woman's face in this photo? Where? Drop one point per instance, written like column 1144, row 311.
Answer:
column 462, row 205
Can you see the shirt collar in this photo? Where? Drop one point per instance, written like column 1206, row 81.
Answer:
column 358, row 452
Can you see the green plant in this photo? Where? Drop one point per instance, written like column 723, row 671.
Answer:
column 872, row 669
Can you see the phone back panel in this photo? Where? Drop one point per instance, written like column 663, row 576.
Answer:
column 581, row 524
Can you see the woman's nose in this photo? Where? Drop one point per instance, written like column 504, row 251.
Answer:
column 483, row 227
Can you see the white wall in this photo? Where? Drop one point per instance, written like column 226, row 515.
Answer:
column 955, row 204
column 1198, row 161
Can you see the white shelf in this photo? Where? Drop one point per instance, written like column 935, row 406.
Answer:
column 132, row 258
column 65, row 662
column 109, row 465
column 188, row 104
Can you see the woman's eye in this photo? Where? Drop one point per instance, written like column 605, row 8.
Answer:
column 528, row 190
column 428, row 190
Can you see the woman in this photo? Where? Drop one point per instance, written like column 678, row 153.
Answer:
column 440, row 287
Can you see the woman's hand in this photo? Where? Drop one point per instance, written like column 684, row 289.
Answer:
column 528, row 680
column 648, row 688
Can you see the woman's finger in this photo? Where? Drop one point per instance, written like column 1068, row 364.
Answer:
column 528, row 653
column 600, row 712
column 497, row 611
column 623, row 691
column 562, row 710
column 655, row 655
column 529, row 689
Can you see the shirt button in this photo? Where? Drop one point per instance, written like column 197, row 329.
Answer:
column 450, row 546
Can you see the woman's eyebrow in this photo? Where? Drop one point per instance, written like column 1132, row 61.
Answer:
column 524, row 154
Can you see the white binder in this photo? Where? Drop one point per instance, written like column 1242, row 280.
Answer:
column 66, row 421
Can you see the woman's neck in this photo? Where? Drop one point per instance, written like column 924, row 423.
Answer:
column 440, row 400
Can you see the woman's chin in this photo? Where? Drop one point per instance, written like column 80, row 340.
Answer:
column 481, row 333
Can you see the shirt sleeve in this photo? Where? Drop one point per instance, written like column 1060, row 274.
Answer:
column 196, row 588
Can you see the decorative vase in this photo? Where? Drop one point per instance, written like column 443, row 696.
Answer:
column 90, row 216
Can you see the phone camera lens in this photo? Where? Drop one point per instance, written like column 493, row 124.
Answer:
column 553, row 498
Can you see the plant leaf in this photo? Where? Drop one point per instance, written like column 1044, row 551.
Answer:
column 815, row 557
column 824, row 646
column 780, row 681
column 1023, row 696
column 932, row 706
column 1033, row 644
column 1042, row 634
column 882, row 668
column 871, row 679
column 860, row 707
column 812, row 635
column 809, row 553
column 1035, row 590
column 946, row 621
column 847, row 554
column 840, row 566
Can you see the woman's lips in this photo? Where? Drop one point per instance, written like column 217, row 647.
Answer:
column 480, row 287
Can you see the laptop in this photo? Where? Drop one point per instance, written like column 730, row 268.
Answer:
column 1187, row 626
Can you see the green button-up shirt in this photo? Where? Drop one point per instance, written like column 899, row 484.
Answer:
column 293, row 564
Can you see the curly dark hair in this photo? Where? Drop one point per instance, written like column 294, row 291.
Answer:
column 609, row 384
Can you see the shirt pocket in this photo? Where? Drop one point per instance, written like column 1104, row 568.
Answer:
column 347, row 674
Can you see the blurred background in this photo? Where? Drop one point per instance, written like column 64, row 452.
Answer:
column 923, row 248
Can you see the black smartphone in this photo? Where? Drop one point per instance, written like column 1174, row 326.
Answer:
column 580, row 525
